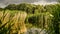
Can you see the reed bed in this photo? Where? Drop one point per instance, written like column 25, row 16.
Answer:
column 12, row 23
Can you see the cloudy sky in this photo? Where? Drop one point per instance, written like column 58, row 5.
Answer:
column 5, row 2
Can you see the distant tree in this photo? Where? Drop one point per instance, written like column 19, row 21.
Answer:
column 21, row 6
column 59, row 1
column 1, row 9
column 11, row 7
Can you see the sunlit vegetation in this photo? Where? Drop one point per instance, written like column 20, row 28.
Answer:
column 16, row 19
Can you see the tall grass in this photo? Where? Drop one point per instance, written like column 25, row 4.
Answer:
column 12, row 23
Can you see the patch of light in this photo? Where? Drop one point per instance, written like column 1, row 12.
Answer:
column 43, row 3
column 2, row 5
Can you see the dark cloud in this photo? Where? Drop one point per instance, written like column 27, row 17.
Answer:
column 2, row 1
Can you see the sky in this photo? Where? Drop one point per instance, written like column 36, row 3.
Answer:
column 3, row 3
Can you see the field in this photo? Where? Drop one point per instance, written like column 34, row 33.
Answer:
column 18, row 19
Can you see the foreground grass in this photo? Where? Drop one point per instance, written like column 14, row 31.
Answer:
column 12, row 22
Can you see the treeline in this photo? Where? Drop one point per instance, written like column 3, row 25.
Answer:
column 31, row 8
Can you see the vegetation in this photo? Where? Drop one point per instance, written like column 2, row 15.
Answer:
column 16, row 19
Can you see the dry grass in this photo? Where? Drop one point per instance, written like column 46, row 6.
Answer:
column 14, row 23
